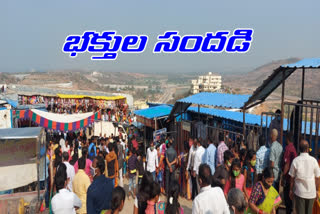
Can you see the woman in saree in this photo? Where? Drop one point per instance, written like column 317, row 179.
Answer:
column 264, row 197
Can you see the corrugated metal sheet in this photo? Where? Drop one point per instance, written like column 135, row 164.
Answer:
column 250, row 118
column 231, row 115
column 154, row 112
column 307, row 63
column 275, row 79
column 217, row 99
column 30, row 132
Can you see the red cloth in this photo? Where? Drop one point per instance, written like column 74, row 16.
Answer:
column 135, row 144
column 289, row 154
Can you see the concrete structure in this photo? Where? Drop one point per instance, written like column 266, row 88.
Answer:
column 207, row 83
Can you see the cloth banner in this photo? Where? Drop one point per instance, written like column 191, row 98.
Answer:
column 59, row 122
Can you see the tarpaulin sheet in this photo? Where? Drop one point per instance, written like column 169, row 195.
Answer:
column 17, row 176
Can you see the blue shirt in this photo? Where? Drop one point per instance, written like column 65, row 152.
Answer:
column 262, row 159
column 91, row 155
column 209, row 157
column 99, row 195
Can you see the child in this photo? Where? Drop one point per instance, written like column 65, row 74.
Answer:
column 249, row 171
column 152, row 203
column 236, row 179
column 132, row 171
column 173, row 205
column 117, row 200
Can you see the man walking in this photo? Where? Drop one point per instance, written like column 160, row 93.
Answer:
column 262, row 156
column 190, row 165
column 305, row 180
column 289, row 154
column 171, row 160
column 81, row 183
column 209, row 156
column 222, row 147
column 275, row 157
column 70, row 170
column 152, row 160
column 210, row 199
column 197, row 161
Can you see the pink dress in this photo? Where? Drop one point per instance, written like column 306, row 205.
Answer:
column 239, row 184
column 87, row 168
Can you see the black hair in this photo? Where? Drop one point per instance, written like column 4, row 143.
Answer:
column 110, row 147
column 57, row 160
column 262, row 140
column 85, row 152
column 82, row 163
column 118, row 195
column 144, row 192
column 303, row 146
column 289, row 137
column 236, row 162
column 278, row 111
column 227, row 155
column 101, row 164
column 221, row 136
column 65, row 156
column 174, row 191
column 155, row 190
column 247, row 163
column 205, row 174
column 268, row 173
column 61, row 176
column 242, row 154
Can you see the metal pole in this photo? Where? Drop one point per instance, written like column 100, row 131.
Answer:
column 199, row 111
column 302, row 85
column 282, row 108
column 38, row 168
column 244, row 122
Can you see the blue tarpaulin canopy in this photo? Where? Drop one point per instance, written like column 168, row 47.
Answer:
column 217, row 99
column 154, row 112
column 276, row 78
column 13, row 103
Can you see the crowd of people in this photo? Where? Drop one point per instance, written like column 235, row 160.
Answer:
column 218, row 176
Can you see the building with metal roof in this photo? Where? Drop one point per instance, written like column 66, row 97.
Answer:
column 220, row 100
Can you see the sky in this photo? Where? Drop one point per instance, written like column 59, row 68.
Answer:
column 33, row 32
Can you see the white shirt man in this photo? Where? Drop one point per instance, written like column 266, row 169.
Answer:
column 152, row 159
column 210, row 200
column 62, row 143
column 70, row 170
column 198, row 159
column 304, row 171
column 64, row 202
column 192, row 153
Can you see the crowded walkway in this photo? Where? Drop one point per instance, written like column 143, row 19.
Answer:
column 209, row 176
